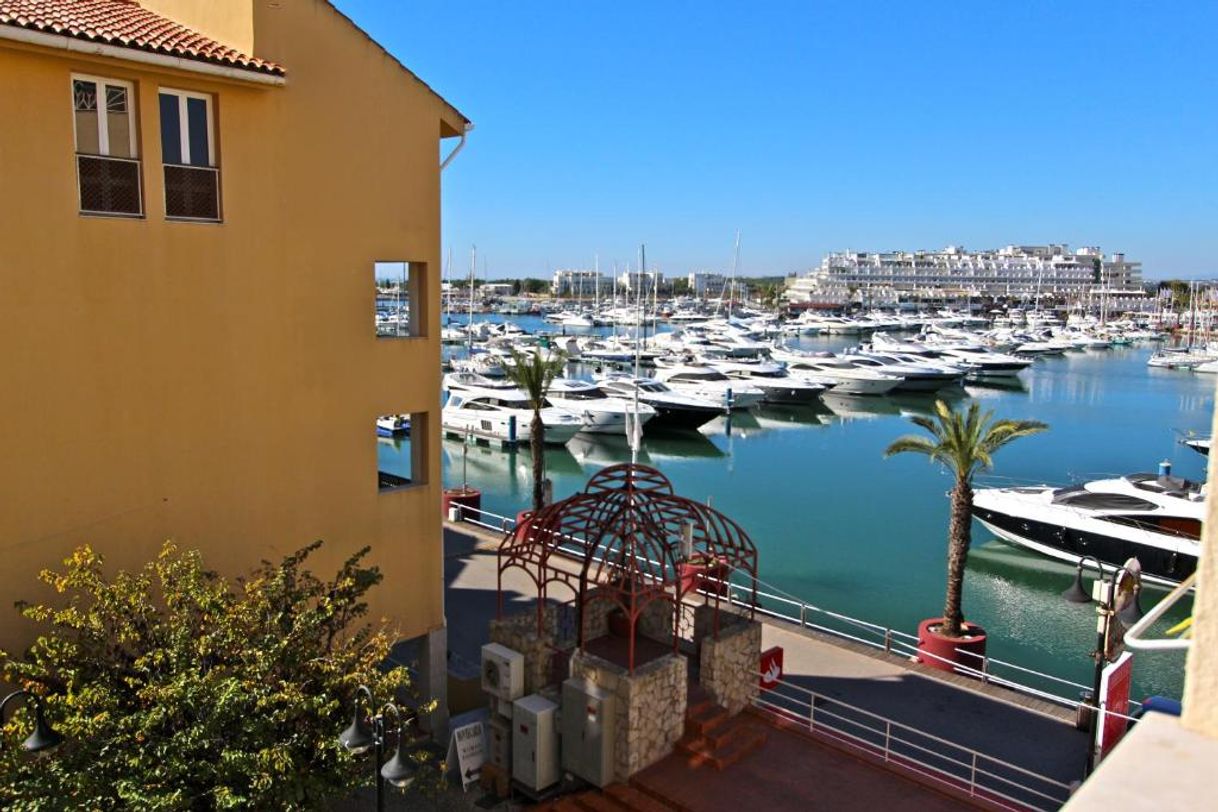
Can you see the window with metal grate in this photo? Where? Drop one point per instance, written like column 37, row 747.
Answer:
column 107, row 161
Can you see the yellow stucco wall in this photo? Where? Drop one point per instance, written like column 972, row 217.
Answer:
column 228, row 21
column 1201, row 677
column 218, row 384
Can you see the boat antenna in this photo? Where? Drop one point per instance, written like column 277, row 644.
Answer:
column 735, row 267
column 469, row 326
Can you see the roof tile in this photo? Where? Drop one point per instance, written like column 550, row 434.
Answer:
column 126, row 24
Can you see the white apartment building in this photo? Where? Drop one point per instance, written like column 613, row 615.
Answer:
column 1016, row 271
column 703, row 284
column 633, row 281
column 580, row 283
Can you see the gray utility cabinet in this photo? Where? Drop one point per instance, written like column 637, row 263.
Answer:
column 588, row 715
column 535, row 742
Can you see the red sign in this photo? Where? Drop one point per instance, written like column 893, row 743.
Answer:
column 1114, row 689
column 771, row 668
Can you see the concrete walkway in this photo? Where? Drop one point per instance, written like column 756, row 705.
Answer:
column 992, row 720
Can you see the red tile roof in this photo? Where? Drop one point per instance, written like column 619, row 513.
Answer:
column 126, row 24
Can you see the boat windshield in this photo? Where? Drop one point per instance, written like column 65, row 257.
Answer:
column 1089, row 500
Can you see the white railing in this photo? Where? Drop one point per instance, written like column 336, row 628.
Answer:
column 964, row 769
column 1133, row 637
column 989, row 670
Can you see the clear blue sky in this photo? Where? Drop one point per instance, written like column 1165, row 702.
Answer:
column 814, row 127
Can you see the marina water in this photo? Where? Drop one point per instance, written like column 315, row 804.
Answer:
column 844, row 529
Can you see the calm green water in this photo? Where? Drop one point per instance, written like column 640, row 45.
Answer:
column 845, row 529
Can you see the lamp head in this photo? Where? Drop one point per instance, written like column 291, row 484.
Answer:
column 401, row 769
column 44, row 736
column 358, row 737
column 1076, row 593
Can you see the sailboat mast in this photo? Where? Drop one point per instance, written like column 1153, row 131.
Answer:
column 469, row 327
column 735, row 267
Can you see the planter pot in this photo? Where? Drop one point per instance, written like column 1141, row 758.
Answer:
column 945, row 653
column 708, row 576
column 470, row 500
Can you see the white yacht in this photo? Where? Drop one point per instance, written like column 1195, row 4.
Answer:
column 1154, row 518
column 918, row 374
column 393, row 425
column 778, row 384
column 842, row 376
column 708, row 383
column 676, row 410
column 602, row 413
column 986, row 362
column 504, row 414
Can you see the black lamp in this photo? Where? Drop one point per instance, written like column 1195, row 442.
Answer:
column 44, row 736
column 1077, row 593
column 358, row 737
column 399, row 770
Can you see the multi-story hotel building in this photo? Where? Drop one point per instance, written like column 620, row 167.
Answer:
column 1019, row 271
column 581, row 284
column 200, row 201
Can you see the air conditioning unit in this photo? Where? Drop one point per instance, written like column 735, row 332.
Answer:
column 535, row 742
column 502, row 672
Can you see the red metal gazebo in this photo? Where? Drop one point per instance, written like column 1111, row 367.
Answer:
column 623, row 536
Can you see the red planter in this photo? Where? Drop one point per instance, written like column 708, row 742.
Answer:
column 946, row 653
column 469, row 498
column 708, row 576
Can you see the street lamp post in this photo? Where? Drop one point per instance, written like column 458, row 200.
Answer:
column 44, row 736
column 1128, row 612
column 371, row 733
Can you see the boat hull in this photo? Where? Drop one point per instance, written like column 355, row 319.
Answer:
column 1070, row 544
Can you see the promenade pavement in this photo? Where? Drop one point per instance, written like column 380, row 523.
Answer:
column 992, row 720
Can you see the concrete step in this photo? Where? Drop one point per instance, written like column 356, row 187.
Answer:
column 723, row 747
column 634, row 799
column 749, row 740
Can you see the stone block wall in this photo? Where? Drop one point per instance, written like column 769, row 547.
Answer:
column 651, row 703
column 656, row 621
column 519, row 633
column 596, row 616
column 730, row 664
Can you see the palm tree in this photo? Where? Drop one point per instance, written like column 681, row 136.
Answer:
column 534, row 373
column 964, row 442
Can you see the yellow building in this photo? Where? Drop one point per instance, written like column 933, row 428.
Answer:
column 196, row 197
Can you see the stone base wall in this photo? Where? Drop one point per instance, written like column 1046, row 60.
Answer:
column 730, row 664
column 519, row 633
column 651, row 704
column 657, row 620
column 596, row 615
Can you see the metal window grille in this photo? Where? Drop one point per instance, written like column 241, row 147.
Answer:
column 109, row 185
column 192, row 192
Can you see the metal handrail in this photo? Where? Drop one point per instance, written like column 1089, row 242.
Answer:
column 970, row 759
column 890, row 639
column 1133, row 637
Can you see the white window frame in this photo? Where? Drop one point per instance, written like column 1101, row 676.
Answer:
column 103, row 129
column 184, row 124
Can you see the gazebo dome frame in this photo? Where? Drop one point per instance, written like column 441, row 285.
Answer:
column 625, row 532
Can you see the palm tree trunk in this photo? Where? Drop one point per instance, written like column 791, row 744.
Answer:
column 959, row 537
column 537, row 441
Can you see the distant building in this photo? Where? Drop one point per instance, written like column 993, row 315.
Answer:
column 491, row 290
column 1017, row 271
column 581, row 283
column 645, row 280
column 706, row 284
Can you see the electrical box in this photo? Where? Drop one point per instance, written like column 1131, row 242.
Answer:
column 535, row 742
column 588, row 728
column 500, row 736
column 502, row 672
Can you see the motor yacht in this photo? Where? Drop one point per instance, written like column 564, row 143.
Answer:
column 393, row 425
column 1154, row 518
column 838, row 373
column 602, row 412
column 676, row 410
column 504, row 414
column 986, row 362
column 777, row 383
column 706, row 382
column 918, row 374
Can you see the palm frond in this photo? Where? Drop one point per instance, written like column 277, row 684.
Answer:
column 911, row 444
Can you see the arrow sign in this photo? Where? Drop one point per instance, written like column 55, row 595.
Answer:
column 467, row 752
